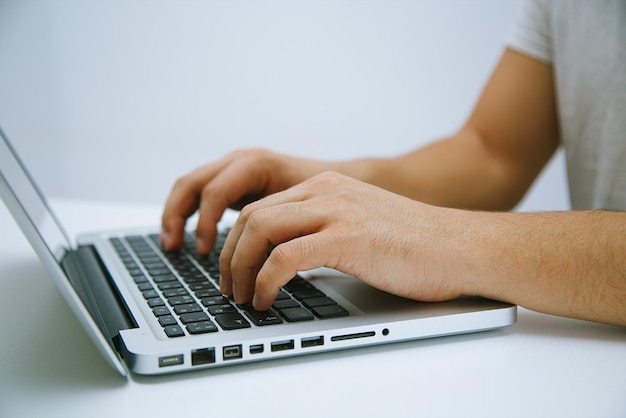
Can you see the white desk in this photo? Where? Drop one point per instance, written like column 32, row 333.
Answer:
column 542, row 366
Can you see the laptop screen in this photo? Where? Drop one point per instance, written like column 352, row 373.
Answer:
column 18, row 183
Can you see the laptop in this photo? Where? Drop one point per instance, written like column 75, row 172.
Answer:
column 151, row 312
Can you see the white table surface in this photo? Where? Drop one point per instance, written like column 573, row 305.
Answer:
column 543, row 366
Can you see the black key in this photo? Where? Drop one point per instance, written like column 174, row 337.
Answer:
column 175, row 292
column 181, row 300
column 307, row 294
column 161, row 310
column 323, row 301
column 212, row 269
column 332, row 311
column 298, row 283
column 149, row 294
column 155, row 302
column 154, row 265
column 146, row 254
column 174, row 331
column 296, row 314
column 188, row 269
column 203, row 285
column 209, row 265
column 282, row 295
column 164, row 278
column 285, row 303
column 233, row 320
column 214, row 300
column 194, row 278
column 174, row 256
column 135, row 272
column 159, row 271
column 194, row 317
column 135, row 239
column 167, row 320
column 201, row 327
column 169, row 285
column 261, row 318
column 151, row 260
column 207, row 293
column 188, row 308
column 144, row 286
column 129, row 262
column 221, row 309
column 140, row 279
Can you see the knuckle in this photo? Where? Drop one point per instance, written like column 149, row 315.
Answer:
column 255, row 220
column 246, row 212
column 207, row 190
column 282, row 256
column 252, row 154
column 224, row 260
column 265, row 283
column 329, row 178
column 183, row 182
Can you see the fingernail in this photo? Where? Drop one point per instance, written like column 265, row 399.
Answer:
column 201, row 246
column 165, row 239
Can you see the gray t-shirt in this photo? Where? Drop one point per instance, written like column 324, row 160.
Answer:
column 585, row 42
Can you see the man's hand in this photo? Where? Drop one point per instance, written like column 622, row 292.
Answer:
column 563, row 263
column 239, row 178
column 386, row 240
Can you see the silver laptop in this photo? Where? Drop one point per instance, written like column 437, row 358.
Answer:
column 152, row 312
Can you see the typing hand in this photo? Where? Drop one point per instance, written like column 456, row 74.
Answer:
column 335, row 221
column 239, row 178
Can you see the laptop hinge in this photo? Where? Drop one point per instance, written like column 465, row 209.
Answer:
column 95, row 287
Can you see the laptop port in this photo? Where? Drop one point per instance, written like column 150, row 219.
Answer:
column 282, row 345
column 202, row 356
column 256, row 349
column 231, row 352
column 353, row 336
column 171, row 360
column 312, row 341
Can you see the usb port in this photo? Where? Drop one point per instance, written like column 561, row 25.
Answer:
column 312, row 341
column 231, row 352
column 256, row 349
column 282, row 345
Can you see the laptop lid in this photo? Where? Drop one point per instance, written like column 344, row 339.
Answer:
column 50, row 241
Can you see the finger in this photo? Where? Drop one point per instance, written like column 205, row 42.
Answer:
column 263, row 229
column 183, row 201
column 181, row 204
column 267, row 220
column 232, row 240
column 286, row 260
column 234, row 236
column 234, row 183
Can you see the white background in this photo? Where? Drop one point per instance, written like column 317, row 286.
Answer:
column 116, row 99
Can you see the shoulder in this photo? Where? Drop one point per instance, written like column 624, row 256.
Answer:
column 530, row 33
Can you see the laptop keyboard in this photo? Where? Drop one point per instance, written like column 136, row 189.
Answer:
column 182, row 289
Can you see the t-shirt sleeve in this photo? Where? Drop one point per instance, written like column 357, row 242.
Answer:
column 530, row 33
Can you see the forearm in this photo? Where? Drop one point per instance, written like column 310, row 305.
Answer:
column 458, row 171
column 564, row 263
